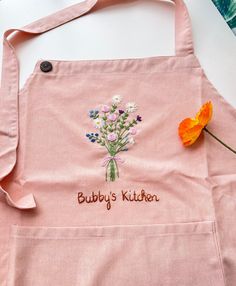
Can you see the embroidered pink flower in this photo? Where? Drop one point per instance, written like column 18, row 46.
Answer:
column 112, row 137
column 105, row 108
column 133, row 131
column 112, row 117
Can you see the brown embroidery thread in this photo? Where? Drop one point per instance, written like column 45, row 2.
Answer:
column 134, row 197
column 126, row 196
column 93, row 198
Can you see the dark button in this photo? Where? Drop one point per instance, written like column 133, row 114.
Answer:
column 46, row 66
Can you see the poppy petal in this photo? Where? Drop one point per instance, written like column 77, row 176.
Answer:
column 192, row 135
column 189, row 131
column 205, row 113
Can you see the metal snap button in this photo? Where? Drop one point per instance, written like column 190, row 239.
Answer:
column 46, row 66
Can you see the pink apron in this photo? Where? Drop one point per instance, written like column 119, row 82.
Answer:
column 96, row 187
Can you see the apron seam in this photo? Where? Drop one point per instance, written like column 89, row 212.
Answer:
column 135, row 74
column 9, row 256
column 218, row 250
column 112, row 236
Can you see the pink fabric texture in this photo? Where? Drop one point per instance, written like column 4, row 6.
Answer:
column 168, row 219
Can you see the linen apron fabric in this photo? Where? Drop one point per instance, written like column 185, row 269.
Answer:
column 168, row 219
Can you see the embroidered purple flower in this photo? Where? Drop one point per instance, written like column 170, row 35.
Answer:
column 116, row 131
column 139, row 118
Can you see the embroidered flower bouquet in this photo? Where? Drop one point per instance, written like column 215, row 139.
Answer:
column 116, row 129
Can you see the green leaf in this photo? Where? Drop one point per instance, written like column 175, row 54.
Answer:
column 228, row 10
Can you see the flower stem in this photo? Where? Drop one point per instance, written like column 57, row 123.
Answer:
column 205, row 129
column 112, row 171
column 122, row 146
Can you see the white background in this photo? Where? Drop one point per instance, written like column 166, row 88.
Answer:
column 130, row 30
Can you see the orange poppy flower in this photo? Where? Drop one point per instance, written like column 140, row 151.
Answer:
column 191, row 128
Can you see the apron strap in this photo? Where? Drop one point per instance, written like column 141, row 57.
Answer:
column 10, row 81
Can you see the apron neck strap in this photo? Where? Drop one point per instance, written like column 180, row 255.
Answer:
column 10, row 81
column 183, row 32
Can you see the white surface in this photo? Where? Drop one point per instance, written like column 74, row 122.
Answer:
column 130, row 30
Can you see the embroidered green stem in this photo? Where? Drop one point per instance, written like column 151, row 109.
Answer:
column 122, row 146
column 227, row 146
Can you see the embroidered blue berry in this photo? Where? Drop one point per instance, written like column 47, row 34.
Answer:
column 93, row 113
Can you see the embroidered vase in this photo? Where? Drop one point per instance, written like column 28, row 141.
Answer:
column 112, row 171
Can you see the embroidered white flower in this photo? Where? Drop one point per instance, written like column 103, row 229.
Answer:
column 131, row 141
column 98, row 122
column 131, row 107
column 116, row 99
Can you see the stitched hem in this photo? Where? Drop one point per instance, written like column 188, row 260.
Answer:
column 218, row 250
